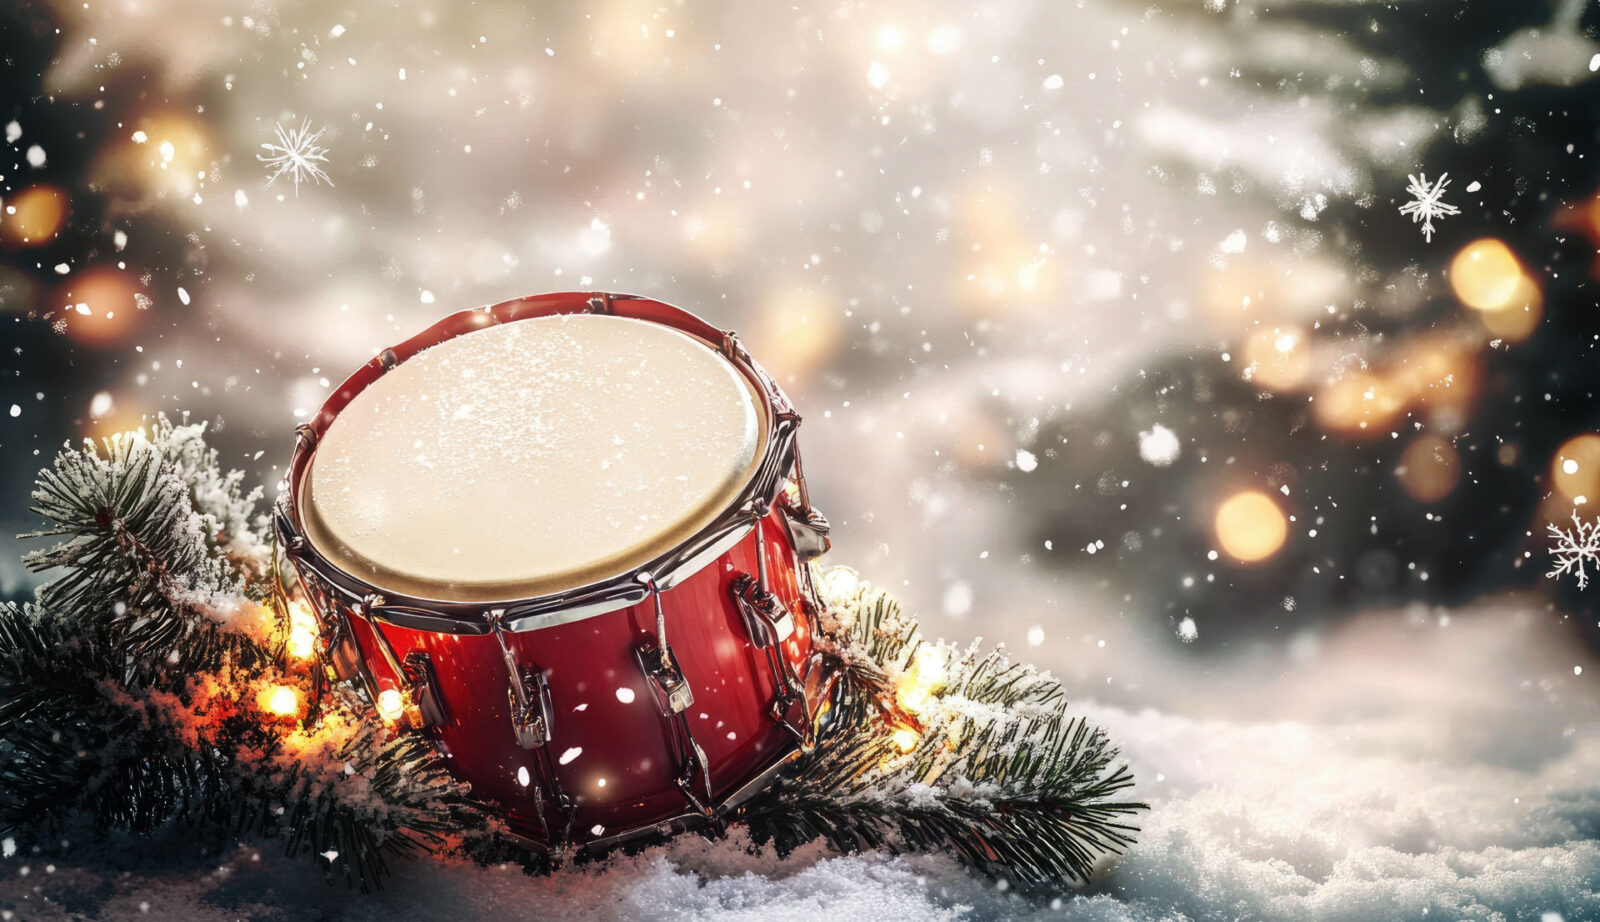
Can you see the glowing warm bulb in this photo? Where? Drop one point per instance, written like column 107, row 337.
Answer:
column 840, row 584
column 905, row 739
column 302, row 630
column 1250, row 526
column 300, row 614
column 302, row 642
column 926, row 675
column 390, row 705
column 283, row 701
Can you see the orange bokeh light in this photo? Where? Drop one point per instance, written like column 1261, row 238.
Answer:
column 1429, row 468
column 34, row 216
column 1575, row 470
column 1521, row 315
column 1486, row 275
column 1277, row 358
column 99, row 306
column 1359, row 403
column 798, row 330
column 1250, row 526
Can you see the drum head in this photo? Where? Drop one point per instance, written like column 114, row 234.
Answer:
column 532, row 457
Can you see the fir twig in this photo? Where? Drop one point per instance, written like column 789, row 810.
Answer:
column 128, row 694
column 987, row 766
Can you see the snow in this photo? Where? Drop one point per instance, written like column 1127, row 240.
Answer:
column 1406, row 771
column 1159, row 446
column 1573, row 548
column 1426, row 203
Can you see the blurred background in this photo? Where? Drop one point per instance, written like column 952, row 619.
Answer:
column 1111, row 340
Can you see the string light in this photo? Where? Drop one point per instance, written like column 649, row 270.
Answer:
column 281, row 700
column 840, row 584
column 390, row 705
column 302, row 631
column 926, row 675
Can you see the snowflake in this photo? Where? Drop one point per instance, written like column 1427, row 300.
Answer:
column 1571, row 548
column 297, row 153
column 1425, row 204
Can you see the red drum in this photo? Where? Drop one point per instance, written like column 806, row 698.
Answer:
column 565, row 536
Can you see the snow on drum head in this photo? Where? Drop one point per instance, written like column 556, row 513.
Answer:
column 532, row 457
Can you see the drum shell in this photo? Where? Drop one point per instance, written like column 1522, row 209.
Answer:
column 611, row 747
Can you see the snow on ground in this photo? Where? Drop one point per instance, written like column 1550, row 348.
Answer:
column 1439, row 766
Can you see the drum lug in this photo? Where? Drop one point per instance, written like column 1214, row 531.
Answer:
column 343, row 655
column 808, row 531
column 425, row 689
column 531, row 710
column 766, row 619
column 529, row 695
column 697, row 761
column 672, row 692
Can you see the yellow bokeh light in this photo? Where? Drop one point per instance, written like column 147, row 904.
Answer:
column 1486, row 274
column 1358, row 403
column 1429, row 468
column 34, row 216
column 1277, row 358
column 798, row 331
column 1250, row 526
column 1521, row 315
column 163, row 155
column 1575, row 470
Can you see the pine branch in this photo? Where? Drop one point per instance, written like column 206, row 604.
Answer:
column 137, row 555
column 995, row 773
column 129, row 694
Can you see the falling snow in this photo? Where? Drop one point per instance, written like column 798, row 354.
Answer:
column 1426, row 203
column 1573, row 549
column 296, row 155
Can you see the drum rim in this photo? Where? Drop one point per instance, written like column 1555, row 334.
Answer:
column 755, row 500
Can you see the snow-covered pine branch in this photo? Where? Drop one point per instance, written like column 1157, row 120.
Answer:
column 133, row 692
column 928, row 747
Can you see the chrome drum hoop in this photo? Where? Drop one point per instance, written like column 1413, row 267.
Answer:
column 619, row 591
